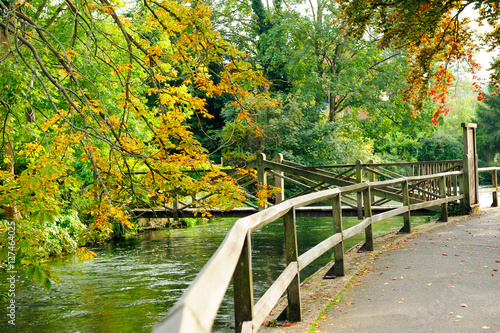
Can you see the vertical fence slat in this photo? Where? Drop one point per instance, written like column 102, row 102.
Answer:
column 494, row 184
column 406, row 202
column 444, row 206
column 243, row 286
column 279, row 182
column 368, row 213
column 261, row 173
column 358, row 194
column 292, row 255
column 371, row 178
column 338, row 268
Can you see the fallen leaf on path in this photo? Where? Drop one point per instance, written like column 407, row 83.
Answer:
column 464, row 305
column 287, row 324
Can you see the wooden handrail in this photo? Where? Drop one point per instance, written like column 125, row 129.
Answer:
column 494, row 184
column 196, row 310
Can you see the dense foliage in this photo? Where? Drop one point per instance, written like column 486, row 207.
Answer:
column 104, row 106
column 94, row 102
column 434, row 34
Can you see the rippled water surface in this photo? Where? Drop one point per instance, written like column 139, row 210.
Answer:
column 132, row 284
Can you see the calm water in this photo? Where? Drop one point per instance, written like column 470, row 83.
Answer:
column 132, row 284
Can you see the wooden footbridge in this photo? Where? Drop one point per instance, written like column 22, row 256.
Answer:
column 359, row 188
column 301, row 180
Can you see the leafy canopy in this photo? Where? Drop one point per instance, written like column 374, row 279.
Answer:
column 100, row 86
column 435, row 35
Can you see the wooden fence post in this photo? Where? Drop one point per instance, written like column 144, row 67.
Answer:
column 494, row 184
column 470, row 168
column 292, row 255
column 359, row 179
column 243, row 286
column 444, row 206
column 176, row 208
column 406, row 202
column 371, row 178
column 261, row 174
column 368, row 213
column 338, row 267
column 279, row 182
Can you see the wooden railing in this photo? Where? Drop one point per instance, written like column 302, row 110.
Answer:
column 494, row 184
column 316, row 178
column 196, row 310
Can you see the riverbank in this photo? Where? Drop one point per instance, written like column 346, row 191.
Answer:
column 318, row 295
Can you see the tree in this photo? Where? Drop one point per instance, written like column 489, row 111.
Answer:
column 110, row 89
column 488, row 132
column 434, row 34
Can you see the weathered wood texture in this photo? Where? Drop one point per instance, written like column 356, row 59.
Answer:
column 430, row 184
column 196, row 310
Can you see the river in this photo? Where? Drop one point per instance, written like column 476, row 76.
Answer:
column 131, row 285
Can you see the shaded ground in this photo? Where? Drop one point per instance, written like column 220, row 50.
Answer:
column 444, row 277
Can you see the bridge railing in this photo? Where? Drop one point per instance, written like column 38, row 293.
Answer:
column 197, row 309
column 494, row 184
column 316, row 178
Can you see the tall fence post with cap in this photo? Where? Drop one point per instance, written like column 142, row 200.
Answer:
column 279, row 181
column 470, row 168
column 261, row 174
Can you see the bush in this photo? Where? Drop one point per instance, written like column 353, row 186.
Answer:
column 440, row 147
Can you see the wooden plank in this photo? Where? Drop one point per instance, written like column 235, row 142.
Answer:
column 309, row 199
column 359, row 196
column 494, row 184
column 357, row 228
column 314, row 253
column 393, row 174
column 243, row 286
column 435, row 202
column 376, row 172
column 385, row 183
column 273, row 294
column 261, row 173
column 444, row 205
column 488, row 169
column 278, row 181
column 421, row 163
column 247, row 327
column 180, row 320
column 391, row 213
column 406, row 203
column 434, row 176
column 368, row 214
column 294, row 312
column 338, row 268
column 353, row 188
column 488, row 190
column 291, row 180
